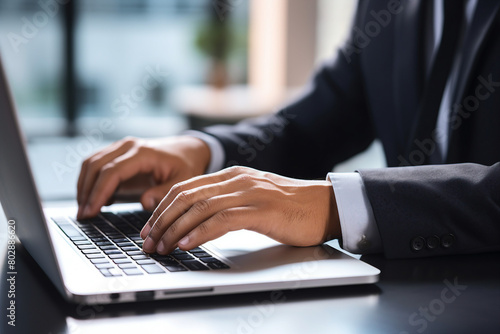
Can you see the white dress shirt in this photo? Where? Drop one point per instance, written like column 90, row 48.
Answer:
column 359, row 228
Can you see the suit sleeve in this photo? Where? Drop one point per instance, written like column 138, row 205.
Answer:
column 436, row 210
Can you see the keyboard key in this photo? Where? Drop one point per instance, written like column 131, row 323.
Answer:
column 126, row 243
column 120, row 239
column 194, row 265
column 97, row 239
column 102, row 260
column 104, row 265
column 152, row 269
column 196, row 250
column 149, row 261
column 90, row 251
column 132, row 271
column 117, row 256
column 209, row 259
column 86, row 246
column 108, row 247
column 159, row 257
column 135, row 252
column 118, row 261
column 202, row 254
column 104, row 243
column 95, row 256
column 130, row 248
column 168, row 262
column 112, row 251
column 217, row 265
column 140, row 257
column 82, row 242
column 106, row 272
column 182, row 256
column 175, row 268
column 126, row 265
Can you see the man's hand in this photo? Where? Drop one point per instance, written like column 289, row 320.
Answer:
column 150, row 166
column 291, row 211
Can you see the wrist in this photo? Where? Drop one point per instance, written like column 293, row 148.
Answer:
column 199, row 155
column 333, row 229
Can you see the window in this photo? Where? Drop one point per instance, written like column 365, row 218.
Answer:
column 127, row 56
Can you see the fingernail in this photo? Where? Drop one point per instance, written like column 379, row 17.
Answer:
column 148, row 245
column 184, row 241
column 161, row 247
column 145, row 231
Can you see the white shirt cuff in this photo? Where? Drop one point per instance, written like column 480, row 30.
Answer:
column 359, row 229
column 217, row 154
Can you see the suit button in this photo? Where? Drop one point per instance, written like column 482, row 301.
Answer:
column 447, row 240
column 417, row 243
column 433, row 242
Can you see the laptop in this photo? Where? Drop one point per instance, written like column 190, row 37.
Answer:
column 100, row 260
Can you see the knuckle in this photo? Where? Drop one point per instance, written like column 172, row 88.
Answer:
column 172, row 229
column 202, row 206
column 94, row 168
column 176, row 189
column 108, row 169
column 184, row 197
column 154, row 216
column 223, row 219
column 143, row 150
column 157, row 228
column 204, row 229
column 93, row 160
column 244, row 179
column 85, row 163
column 235, row 170
column 129, row 140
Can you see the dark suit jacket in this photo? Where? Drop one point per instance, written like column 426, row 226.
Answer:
column 372, row 89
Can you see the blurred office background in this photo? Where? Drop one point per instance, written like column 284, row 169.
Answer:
column 87, row 72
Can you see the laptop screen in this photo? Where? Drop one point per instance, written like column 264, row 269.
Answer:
column 18, row 194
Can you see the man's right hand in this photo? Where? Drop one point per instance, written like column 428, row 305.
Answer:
column 156, row 164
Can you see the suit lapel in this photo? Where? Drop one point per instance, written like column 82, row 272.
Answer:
column 474, row 41
column 408, row 73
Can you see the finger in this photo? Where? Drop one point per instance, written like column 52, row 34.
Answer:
column 107, row 154
column 183, row 197
column 185, row 186
column 196, row 215
column 153, row 196
column 92, row 166
column 216, row 226
column 110, row 177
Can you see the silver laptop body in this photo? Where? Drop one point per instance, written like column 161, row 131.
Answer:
column 251, row 262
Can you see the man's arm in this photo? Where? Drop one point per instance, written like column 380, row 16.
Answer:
column 297, row 140
column 436, row 210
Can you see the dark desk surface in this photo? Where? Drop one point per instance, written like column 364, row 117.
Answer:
column 413, row 296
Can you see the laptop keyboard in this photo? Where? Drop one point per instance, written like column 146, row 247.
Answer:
column 112, row 242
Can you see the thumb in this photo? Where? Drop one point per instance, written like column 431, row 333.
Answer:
column 153, row 196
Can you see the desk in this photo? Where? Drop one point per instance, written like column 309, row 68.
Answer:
column 394, row 305
column 205, row 105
